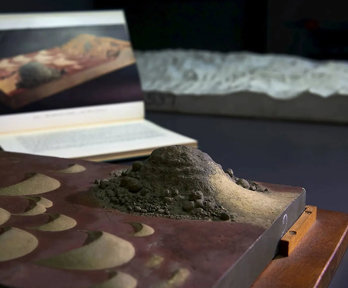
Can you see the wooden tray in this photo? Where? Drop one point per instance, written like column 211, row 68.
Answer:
column 168, row 253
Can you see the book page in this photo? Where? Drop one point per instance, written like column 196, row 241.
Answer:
column 70, row 88
column 93, row 140
column 99, row 114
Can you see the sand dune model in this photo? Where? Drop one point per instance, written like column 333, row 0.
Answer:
column 30, row 77
column 174, row 220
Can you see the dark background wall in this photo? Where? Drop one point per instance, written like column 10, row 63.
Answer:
column 317, row 29
column 312, row 28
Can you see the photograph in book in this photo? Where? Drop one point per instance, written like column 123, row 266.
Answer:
column 66, row 67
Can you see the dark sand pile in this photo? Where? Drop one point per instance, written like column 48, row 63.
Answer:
column 34, row 74
column 173, row 182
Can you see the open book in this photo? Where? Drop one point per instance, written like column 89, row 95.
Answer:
column 69, row 87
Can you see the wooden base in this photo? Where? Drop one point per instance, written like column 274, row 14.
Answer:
column 315, row 260
column 293, row 237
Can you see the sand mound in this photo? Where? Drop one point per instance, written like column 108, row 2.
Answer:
column 183, row 182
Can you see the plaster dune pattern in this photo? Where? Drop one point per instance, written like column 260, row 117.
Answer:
column 41, row 200
column 36, row 184
column 154, row 262
column 74, row 168
column 142, row 230
column 4, row 216
column 178, row 279
column 195, row 72
column 15, row 243
column 100, row 251
column 44, row 202
column 57, row 222
column 119, row 280
column 34, row 208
